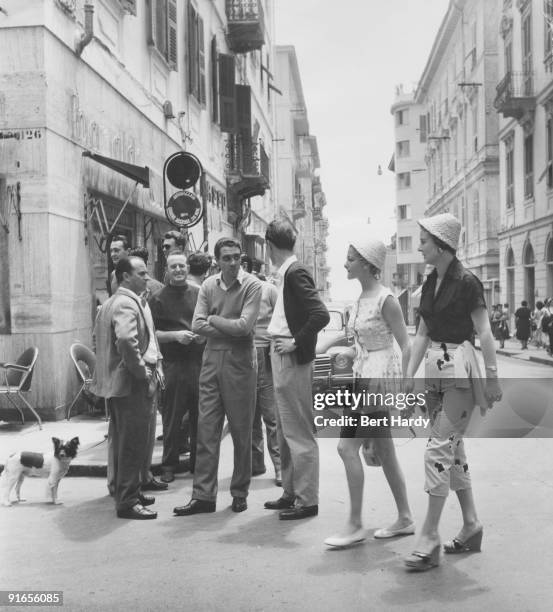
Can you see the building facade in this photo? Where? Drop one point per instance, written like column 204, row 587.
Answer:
column 408, row 163
column 524, row 101
column 457, row 91
column 131, row 81
column 300, row 194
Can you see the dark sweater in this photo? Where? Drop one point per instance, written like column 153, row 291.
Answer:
column 173, row 310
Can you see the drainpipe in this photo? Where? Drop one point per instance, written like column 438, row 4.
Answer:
column 83, row 40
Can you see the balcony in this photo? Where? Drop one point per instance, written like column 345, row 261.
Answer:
column 246, row 25
column 247, row 167
column 515, row 94
column 317, row 213
column 299, row 207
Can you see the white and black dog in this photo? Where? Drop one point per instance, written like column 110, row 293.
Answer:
column 54, row 466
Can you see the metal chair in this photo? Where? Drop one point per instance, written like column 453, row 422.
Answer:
column 85, row 364
column 15, row 379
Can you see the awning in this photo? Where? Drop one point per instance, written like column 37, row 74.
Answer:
column 140, row 174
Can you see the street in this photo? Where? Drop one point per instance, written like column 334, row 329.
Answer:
column 253, row 561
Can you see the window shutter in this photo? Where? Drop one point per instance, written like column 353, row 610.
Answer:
column 227, row 93
column 244, row 123
column 214, row 81
column 172, row 34
column 422, row 128
column 150, row 16
column 201, row 61
column 192, row 46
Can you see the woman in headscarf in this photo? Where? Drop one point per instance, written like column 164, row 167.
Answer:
column 376, row 319
column 452, row 308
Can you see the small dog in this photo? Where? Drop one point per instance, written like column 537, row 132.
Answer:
column 54, row 466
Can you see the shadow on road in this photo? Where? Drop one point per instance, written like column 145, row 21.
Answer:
column 89, row 521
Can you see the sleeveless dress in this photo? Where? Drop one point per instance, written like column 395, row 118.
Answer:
column 377, row 363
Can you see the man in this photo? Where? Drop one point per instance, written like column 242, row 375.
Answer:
column 298, row 316
column 126, row 375
column 153, row 286
column 173, row 310
column 118, row 249
column 265, row 395
column 227, row 308
column 198, row 267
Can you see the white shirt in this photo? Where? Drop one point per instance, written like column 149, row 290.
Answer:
column 152, row 353
column 222, row 284
column 278, row 325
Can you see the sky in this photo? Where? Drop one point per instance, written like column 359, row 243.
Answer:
column 352, row 54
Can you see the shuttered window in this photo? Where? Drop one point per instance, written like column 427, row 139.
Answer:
column 214, row 81
column 162, row 29
column 196, row 55
column 244, row 121
column 227, row 93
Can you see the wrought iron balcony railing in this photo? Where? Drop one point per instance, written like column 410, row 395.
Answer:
column 515, row 94
column 246, row 25
column 299, row 206
column 247, row 166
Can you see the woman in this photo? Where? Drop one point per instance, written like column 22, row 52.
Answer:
column 452, row 307
column 522, row 324
column 376, row 319
column 537, row 317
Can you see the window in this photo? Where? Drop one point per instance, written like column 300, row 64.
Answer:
column 475, row 123
column 196, row 55
column 6, row 196
column 548, row 29
column 476, row 216
column 510, row 173
column 422, row 128
column 227, row 93
column 162, row 29
column 405, row 244
column 549, row 150
column 404, row 211
column 529, row 165
column 402, row 148
column 402, row 117
column 527, row 53
column 403, row 180
column 214, row 81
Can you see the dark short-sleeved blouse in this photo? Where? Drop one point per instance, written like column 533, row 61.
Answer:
column 447, row 315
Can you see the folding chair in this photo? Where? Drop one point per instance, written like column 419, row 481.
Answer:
column 15, row 379
column 85, row 364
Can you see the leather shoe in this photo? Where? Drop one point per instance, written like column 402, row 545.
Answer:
column 167, row 474
column 299, row 512
column 155, row 485
column 137, row 512
column 195, row 506
column 279, row 504
column 239, row 504
column 146, row 500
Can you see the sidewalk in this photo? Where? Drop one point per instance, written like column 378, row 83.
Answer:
column 92, row 430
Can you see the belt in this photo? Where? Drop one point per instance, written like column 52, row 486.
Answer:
column 450, row 346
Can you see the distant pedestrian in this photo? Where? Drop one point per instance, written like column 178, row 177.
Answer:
column 522, row 324
column 198, row 266
column 537, row 316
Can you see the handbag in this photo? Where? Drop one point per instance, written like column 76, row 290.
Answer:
column 369, row 453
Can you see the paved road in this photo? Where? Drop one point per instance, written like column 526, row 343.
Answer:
column 252, row 561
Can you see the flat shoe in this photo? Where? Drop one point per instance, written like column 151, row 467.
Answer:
column 239, row 504
column 137, row 512
column 421, row 562
column 195, row 506
column 471, row 544
column 279, row 504
column 155, row 485
column 167, row 475
column 338, row 541
column 299, row 512
column 386, row 532
column 146, row 500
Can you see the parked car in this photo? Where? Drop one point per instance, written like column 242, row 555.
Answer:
column 333, row 368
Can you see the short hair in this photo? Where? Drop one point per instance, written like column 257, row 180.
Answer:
column 539, row 304
column 141, row 252
column 246, row 259
column 120, row 238
column 281, row 233
column 225, row 242
column 174, row 252
column 199, row 263
column 524, row 303
column 179, row 239
column 125, row 265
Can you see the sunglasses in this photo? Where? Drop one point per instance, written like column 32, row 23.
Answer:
column 447, row 357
